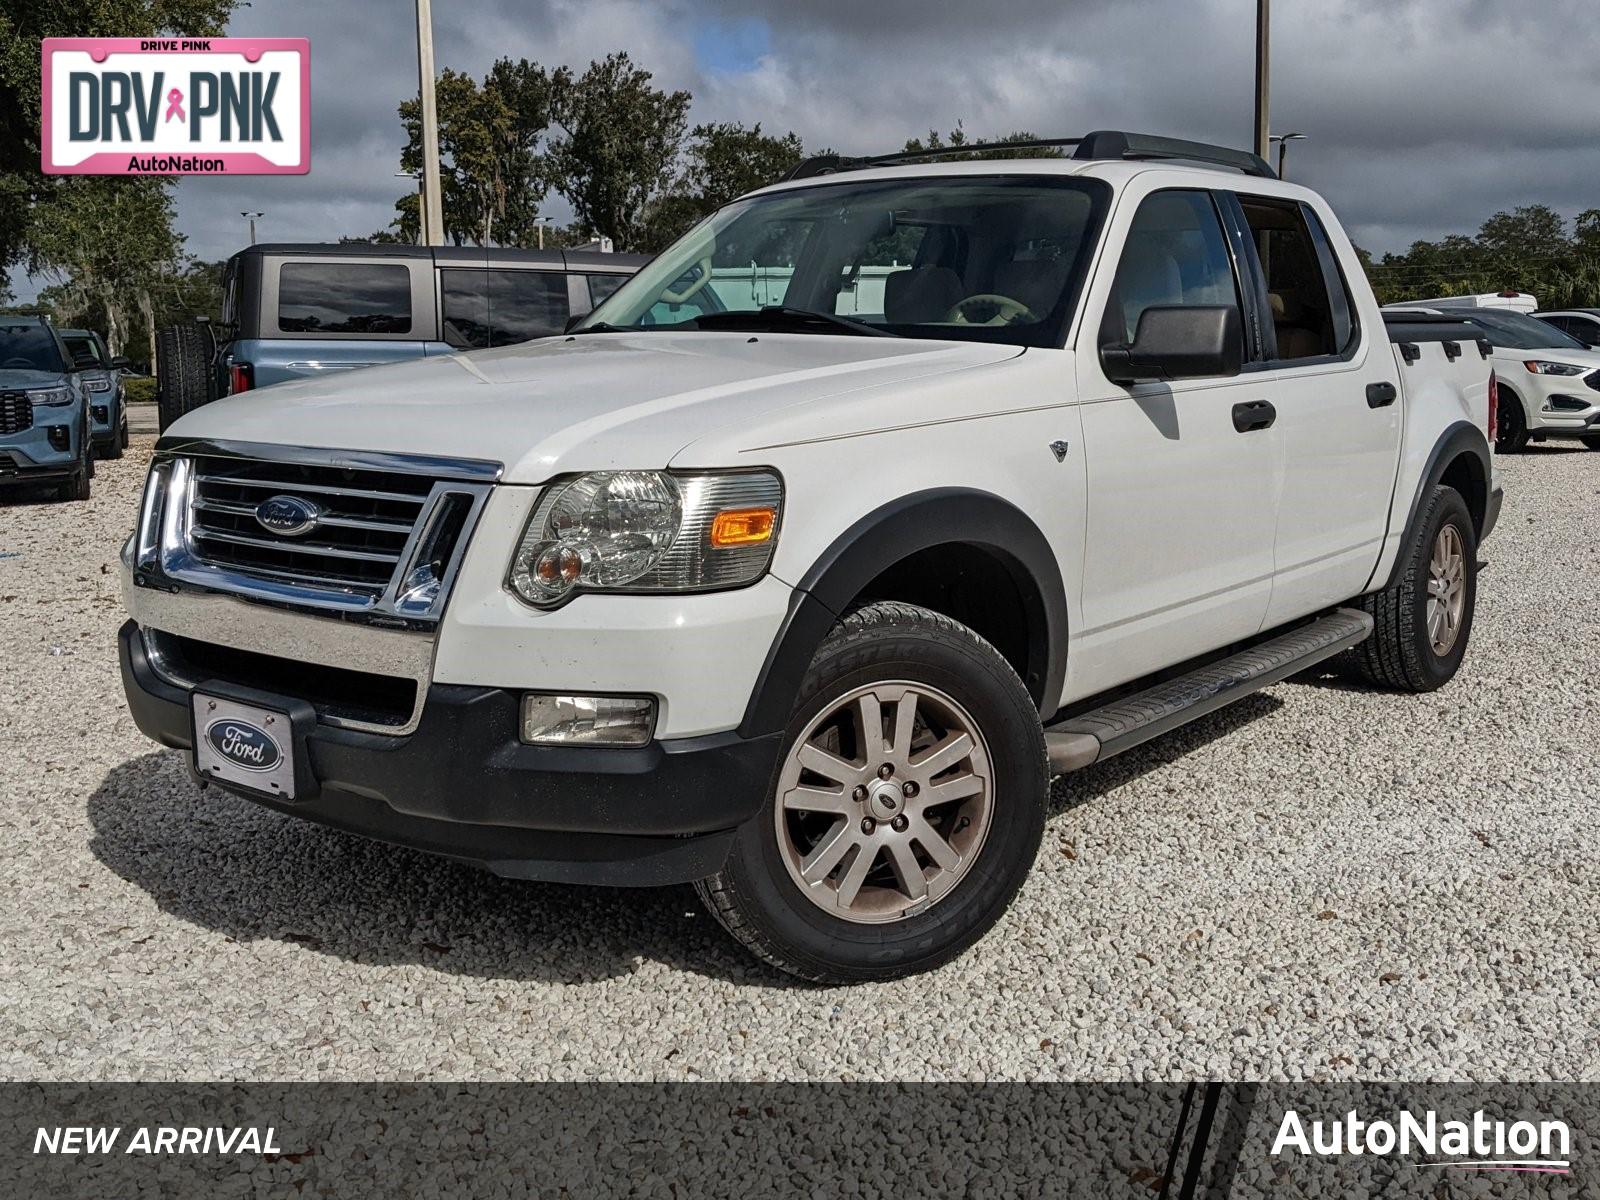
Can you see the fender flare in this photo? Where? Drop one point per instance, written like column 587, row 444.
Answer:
column 1461, row 437
column 887, row 535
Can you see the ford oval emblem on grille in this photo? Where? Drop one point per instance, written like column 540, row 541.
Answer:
column 242, row 744
column 288, row 515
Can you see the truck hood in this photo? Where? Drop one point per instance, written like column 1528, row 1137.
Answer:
column 17, row 380
column 587, row 403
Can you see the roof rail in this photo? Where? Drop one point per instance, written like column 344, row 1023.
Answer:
column 1101, row 144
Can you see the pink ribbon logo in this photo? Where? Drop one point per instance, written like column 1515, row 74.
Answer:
column 175, row 105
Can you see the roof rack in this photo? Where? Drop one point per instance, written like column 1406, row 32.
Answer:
column 1101, row 144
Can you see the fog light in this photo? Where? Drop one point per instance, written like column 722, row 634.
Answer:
column 101, row 413
column 587, row 720
column 61, row 437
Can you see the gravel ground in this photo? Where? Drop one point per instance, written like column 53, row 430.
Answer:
column 1321, row 882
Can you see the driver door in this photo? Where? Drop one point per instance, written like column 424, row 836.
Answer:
column 1178, row 558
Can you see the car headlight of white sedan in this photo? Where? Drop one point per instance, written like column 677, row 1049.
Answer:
column 647, row 531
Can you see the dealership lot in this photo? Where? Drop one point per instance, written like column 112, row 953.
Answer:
column 1322, row 882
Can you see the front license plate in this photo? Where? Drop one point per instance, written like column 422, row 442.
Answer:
column 244, row 745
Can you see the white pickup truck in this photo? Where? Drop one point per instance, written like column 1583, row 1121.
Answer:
column 806, row 607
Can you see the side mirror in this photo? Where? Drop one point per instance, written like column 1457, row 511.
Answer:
column 121, row 362
column 1179, row 342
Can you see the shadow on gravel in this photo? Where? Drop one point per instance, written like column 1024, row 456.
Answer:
column 222, row 863
column 1070, row 791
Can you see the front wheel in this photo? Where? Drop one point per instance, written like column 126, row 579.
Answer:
column 1591, row 440
column 1421, row 624
column 906, row 810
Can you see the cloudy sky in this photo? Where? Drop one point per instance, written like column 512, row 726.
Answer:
column 1424, row 116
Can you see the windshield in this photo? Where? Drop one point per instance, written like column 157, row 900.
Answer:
column 28, row 347
column 1513, row 331
column 85, row 351
column 977, row 258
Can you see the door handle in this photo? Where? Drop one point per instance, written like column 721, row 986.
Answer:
column 1381, row 395
column 1255, row 414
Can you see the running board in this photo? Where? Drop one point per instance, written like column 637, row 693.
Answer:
column 1095, row 736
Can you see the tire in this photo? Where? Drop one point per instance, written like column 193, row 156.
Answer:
column 118, row 442
column 985, row 835
column 183, row 367
column 122, row 436
column 1512, row 435
column 76, row 486
column 1401, row 653
column 1591, row 440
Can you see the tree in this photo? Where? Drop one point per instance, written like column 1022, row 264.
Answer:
column 723, row 162
column 108, row 241
column 622, row 141
column 958, row 137
column 492, row 179
column 22, row 24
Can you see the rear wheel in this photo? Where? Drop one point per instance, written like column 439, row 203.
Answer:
column 905, row 813
column 1422, row 623
column 1512, row 435
column 1592, row 441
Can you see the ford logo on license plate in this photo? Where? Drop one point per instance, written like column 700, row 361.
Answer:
column 243, row 745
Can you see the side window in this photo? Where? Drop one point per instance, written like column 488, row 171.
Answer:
column 526, row 304
column 485, row 308
column 1176, row 254
column 1585, row 329
column 601, row 287
column 464, row 298
column 344, row 298
column 1311, row 312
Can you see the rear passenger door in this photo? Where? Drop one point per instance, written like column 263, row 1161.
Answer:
column 1334, row 384
column 1182, row 491
column 322, row 315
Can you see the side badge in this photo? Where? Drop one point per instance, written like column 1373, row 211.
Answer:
column 1059, row 449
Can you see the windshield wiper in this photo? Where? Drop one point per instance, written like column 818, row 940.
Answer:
column 788, row 316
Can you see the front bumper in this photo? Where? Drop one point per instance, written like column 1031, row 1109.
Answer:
column 28, row 456
column 462, row 785
column 105, row 418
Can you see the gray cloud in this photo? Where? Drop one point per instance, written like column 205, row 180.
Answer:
column 1424, row 117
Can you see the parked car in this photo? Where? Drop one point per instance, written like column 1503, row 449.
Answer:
column 102, row 376
column 1510, row 300
column 308, row 311
column 44, row 410
column 1580, row 323
column 807, row 607
column 1549, row 381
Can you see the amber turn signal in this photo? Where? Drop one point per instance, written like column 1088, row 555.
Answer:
column 743, row 526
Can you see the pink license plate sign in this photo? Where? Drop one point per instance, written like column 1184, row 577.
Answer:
column 176, row 106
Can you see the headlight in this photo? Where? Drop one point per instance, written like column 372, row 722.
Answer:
column 1539, row 367
column 647, row 531
column 51, row 397
column 99, row 385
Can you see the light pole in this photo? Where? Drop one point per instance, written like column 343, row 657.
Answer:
column 541, row 222
column 432, row 207
column 1283, row 140
column 251, row 217
column 1263, row 73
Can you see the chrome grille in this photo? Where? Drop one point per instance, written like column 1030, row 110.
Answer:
column 16, row 412
column 387, row 539
column 365, row 520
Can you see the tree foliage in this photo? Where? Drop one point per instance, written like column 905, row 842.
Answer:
column 621, row 144
column 22, row 24
column 958, row 137
column 722, row 163
column 1528, row 249
column 108, row 244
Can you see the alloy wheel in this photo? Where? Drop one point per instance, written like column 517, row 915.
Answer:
column 884, row 802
